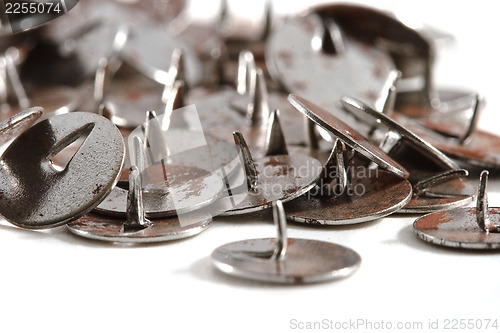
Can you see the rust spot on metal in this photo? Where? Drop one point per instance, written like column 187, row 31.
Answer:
column 435, row 221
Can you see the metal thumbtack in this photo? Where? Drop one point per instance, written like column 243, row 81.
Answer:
column 273, row 177
column 286, row 260
column 19, row 123
column 311, row 46
column 54, row 100
column 135, row 228
column 147, row 48
column 412, row 53
column 51, row 197
column 475, row 228
column 348, row 193
column 349, row 136
column 167, row 182
column 469, row 145
column 443, row 189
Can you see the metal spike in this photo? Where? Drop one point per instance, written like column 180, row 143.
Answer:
column 154, row 137
column 174, row 99
column 482, row 213
column 258, row 108
column 246, row 65
column 330, row 38
column 101, row 81
column 335, row 168
column 478, row 106
column 391, row 139
column 279, row 219
column 176, row 71
column 429, row 93
column 135, row 208
column 249, row 164
column 311, row 136
column 103, row 110
column 423, row 185
column 13, row 75
column 390, row 101
column 275, row 140
column 268, row 23
column 4, row 103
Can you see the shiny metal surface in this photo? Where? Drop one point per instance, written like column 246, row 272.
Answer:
column 52, row 197
column 348, row 135
column 285, row 260
column 323, row 77
column 19, row 123
column 375, row 195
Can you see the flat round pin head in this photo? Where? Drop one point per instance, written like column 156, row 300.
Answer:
column 294, row 58
column 371, row 194
column 113, row 229
column 349, row 136
column 458, row 228
column 306, row 261
column 170, row 190
column 280, row 177
column 18, row 123
column 49, row 196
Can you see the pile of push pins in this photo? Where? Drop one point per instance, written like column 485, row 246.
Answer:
column 330, row 117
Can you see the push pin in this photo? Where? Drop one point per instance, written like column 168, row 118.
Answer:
column 345, row 184
column 348, row 193
column 135, row 227
column 286, row 260
column 49, row 196
column 349, row 136
column 54, row 100
column 273, row 177
column 469, row 145
column 168, row 182
column 315, row 47
column 444, row 189
column 146, row 51
column 476, row 228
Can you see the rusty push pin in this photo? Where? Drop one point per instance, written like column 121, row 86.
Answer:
column 313, row 57
column 135, row 227
column 166, row 183
column 286, row 260
column 438, row 183
column 276, row 176
column 52, row 196
column 349, row 136
column 475, row 228
column 348, row 192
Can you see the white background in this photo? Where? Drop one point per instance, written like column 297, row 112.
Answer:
column 51, row 281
